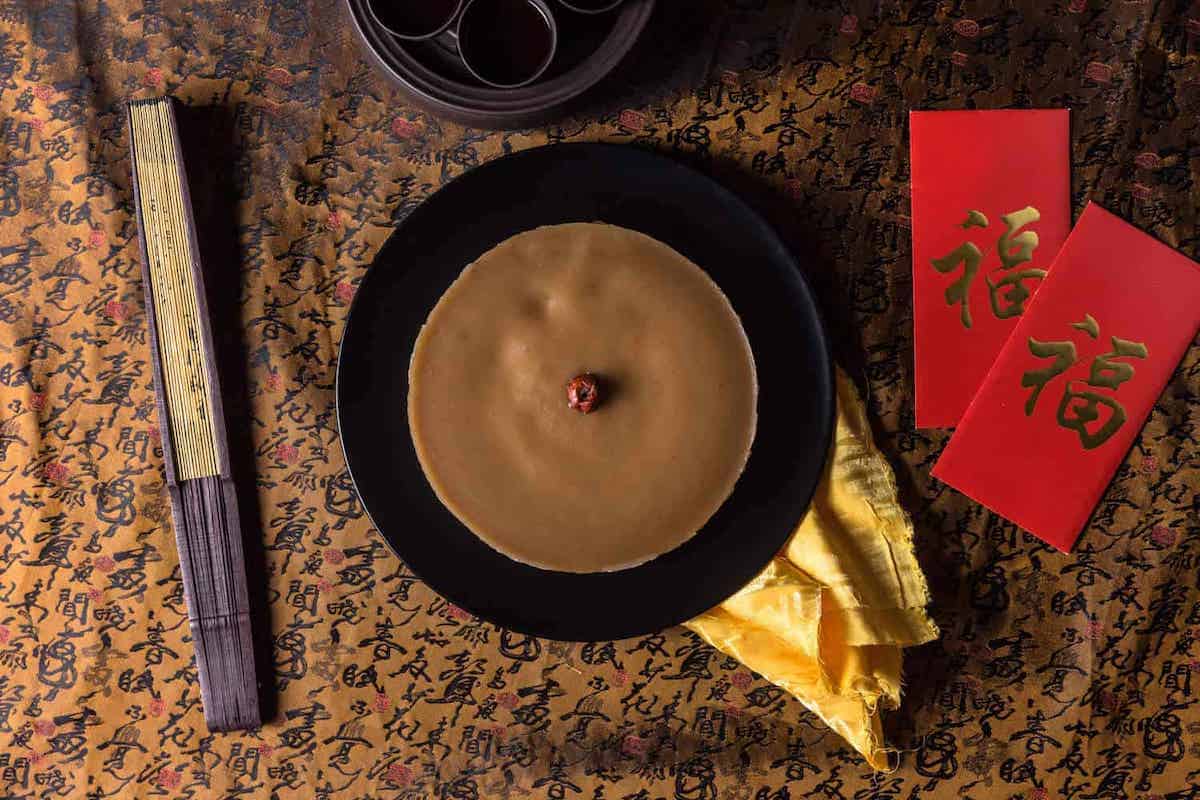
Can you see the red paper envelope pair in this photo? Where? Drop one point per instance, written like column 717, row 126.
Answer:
column 1073, row 385
column 1048, row 357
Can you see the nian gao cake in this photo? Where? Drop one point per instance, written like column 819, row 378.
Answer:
column 583, row 398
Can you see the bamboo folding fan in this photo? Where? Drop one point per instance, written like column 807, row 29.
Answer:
column 203, row 500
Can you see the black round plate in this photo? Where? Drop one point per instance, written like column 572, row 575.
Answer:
column 635, row 189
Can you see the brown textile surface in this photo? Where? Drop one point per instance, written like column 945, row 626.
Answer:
column 1057, row 676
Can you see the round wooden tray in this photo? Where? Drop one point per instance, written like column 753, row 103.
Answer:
column 431, row 75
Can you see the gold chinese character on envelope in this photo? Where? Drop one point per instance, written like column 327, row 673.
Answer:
column 1079, row 410
column 1007, row 285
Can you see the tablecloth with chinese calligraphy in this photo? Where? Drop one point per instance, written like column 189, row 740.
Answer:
column 1056, row 675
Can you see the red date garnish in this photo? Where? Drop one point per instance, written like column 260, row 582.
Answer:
column 583, row 393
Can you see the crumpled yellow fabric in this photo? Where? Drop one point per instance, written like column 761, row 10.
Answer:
column 828, row 618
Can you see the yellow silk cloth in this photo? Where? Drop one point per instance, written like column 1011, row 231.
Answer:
column 828, row 618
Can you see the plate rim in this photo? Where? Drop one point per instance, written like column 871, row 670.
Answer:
column 827, row 420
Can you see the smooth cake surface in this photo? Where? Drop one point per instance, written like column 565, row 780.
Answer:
column 543, row 483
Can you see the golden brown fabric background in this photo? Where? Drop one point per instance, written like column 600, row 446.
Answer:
column 1057, row 676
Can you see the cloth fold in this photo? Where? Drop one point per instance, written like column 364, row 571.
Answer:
column 827, row 620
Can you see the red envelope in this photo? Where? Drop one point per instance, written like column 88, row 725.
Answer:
column 1074, row 384
column 991, row 206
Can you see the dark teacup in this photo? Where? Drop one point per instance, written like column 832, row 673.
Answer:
column 415, row 20
column 507, row 43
